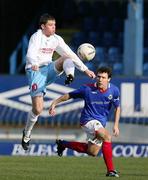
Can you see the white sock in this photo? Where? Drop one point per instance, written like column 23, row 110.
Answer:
column 31, row 120
column 69, row 67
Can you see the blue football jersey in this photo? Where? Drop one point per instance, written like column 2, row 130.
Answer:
column 97, row 104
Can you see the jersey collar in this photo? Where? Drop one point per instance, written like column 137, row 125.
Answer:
column 101, row 90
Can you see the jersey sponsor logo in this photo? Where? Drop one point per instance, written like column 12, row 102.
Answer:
column 110, row 96
column 100, row 102
column 46, row 50
column 97, row 102
column 34, row 87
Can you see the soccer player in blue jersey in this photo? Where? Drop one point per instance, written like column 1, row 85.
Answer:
column 99, row 98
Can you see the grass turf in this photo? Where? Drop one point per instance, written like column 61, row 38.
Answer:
column 69, row 168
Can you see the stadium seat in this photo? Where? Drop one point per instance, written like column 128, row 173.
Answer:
column 77, row 39
column 100, row 54
column 120, row 39
column 88, row 24
column 108, row 39
column 102, row 64
column 123, row 10
column 84, row 8
column 145, row 69
column 113, row 54
column 95, row 38
column 145, row 25
column 145, row 54
column 146, row 39
column 118, row 68
column 113, row 9
column 98, row 9
column 102, row 24
column 117, row 25
column 145, row 6
column 70, row 8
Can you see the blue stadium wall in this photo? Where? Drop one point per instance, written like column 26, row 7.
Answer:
column 15, row 101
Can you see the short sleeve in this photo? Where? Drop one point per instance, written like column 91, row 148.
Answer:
column 116, row 97
column 78, row 93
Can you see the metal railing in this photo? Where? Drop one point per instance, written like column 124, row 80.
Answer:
column 16, row 67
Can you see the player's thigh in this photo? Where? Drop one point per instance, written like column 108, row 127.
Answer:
column 93, row 149
column 37, row 81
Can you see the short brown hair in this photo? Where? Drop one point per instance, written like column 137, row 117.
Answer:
column 44, row 18
column 105, row 69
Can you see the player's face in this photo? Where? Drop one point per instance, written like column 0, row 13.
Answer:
column 49, row 28
column 102, row 80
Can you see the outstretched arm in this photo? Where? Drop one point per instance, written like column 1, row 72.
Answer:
column 116, row 122
column 90, row 73
column 52, row 111
column 64, row 50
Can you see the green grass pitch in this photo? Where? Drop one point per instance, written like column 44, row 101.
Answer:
column 69, row 168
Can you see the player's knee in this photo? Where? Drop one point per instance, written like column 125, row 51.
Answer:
column 108, row 137
column 94, row 154
column 37, row 111
column 61, row 60
column 93, row 151
column 59, row 63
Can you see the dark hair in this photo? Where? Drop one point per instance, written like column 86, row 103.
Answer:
column 44, row 18
column 105, row 69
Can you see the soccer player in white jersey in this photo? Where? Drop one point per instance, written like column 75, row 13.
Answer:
column 99, row 97
column 41, row 70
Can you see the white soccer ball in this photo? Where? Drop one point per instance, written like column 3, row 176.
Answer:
column 86, row 52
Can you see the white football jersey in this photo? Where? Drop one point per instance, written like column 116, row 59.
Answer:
column 41, row 49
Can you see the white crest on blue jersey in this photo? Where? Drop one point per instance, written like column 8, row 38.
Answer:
column 110, row 96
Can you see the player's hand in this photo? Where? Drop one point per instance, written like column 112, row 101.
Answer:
column 115, row 131
column 52, row 111
column 35, row 67
column 90, row 73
